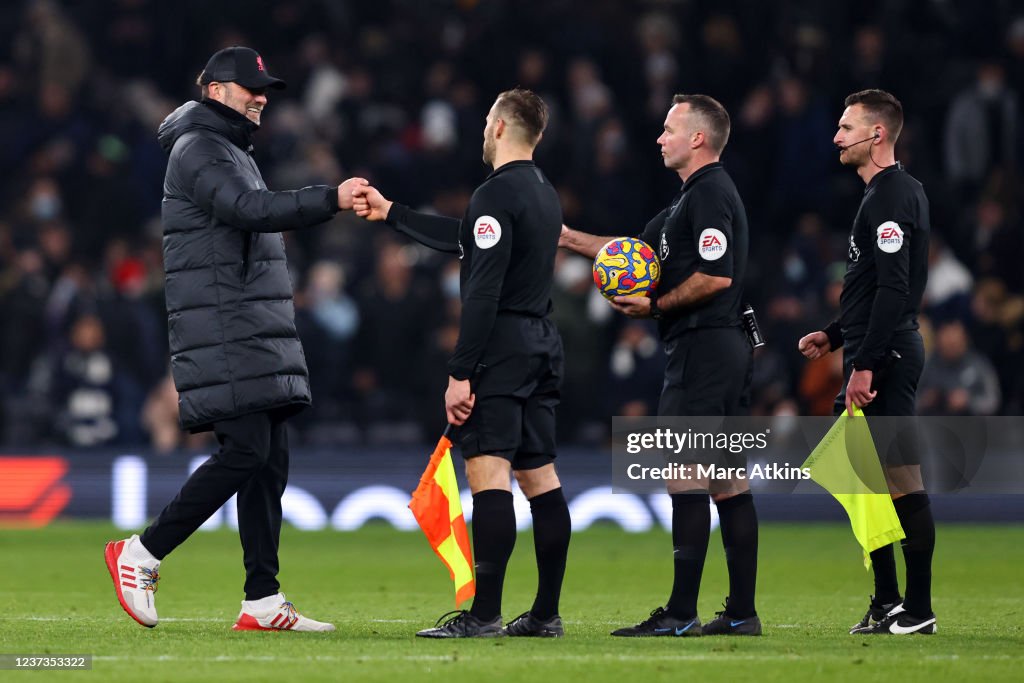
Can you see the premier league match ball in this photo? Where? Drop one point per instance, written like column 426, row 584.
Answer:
column 626, row 267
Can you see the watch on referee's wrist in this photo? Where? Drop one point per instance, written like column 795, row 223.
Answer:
column 656, row 313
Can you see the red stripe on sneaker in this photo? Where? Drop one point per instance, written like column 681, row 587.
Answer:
column 127, row 568
column 128, row 585
column 247, row 622
column 111, row 551
column 127, row 576
column 276, row 620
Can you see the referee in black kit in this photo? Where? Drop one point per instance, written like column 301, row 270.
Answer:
column 702, row 241
column 512, row 353
column 883, row 356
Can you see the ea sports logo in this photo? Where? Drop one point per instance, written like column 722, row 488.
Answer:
column 890, row 237
column 486, row 232
column 712, row 244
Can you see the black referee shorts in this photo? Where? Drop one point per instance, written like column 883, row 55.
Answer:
column 516, row 394
column 896, row 381
column 708, row 373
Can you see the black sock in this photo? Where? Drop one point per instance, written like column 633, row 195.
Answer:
column 739, row 537
column 691, row 529
column 494, row 536
column 915, row 513
column 883, row 563
column 551, row 530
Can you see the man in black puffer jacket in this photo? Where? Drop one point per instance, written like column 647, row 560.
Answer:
column 236, row 358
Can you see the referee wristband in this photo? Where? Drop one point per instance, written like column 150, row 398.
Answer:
column 656, row 313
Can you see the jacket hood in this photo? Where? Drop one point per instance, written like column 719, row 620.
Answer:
column 213, row 117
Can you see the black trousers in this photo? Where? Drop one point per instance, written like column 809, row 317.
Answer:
column 253, row 462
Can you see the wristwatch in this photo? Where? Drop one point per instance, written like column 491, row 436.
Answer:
column 656, row 313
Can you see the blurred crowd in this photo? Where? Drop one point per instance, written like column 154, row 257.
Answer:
column 397, row 92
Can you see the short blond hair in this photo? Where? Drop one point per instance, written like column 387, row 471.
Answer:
column 525, row 110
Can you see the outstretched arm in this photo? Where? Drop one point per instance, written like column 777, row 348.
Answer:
column 218, row 187
column 582, row 242
column 437, row 232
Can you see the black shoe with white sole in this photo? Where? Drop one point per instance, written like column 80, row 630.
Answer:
column 902, row 624
column 877, row 612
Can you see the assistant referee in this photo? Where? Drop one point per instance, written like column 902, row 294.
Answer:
column 702, row 240
column 512, row 352
column 883, row 354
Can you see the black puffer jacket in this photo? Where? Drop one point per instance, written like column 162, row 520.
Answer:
column 234, row 348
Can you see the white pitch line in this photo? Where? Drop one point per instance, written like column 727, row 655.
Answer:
column 454, row 658
column 213, row 620
column 462, row 657
column 202, row 620
column 385, row 621
column 699, row 656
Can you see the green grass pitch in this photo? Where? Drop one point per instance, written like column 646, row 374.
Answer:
column 379, row 586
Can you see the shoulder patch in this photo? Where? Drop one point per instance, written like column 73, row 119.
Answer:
column 486, row 232
column 712, row 244
column 890, row 237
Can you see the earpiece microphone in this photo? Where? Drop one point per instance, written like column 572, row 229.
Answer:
column 875, row 136
column 854, row 144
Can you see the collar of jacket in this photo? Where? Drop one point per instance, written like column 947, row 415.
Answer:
column 237, row 127
column 510, row 165
column 898, row 166
column 700, row 173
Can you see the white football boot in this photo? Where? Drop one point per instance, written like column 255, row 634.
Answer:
column 275, row 613
column 135, row 574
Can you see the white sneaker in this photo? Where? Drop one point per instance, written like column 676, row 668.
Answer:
column 275, row 613
column 135, row 574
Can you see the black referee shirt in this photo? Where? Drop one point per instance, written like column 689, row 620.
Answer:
column 507, row 242
column 705, row 229
column 887, row 267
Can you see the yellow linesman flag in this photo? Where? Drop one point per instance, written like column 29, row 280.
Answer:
column 846, row 465
column 436, row 506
